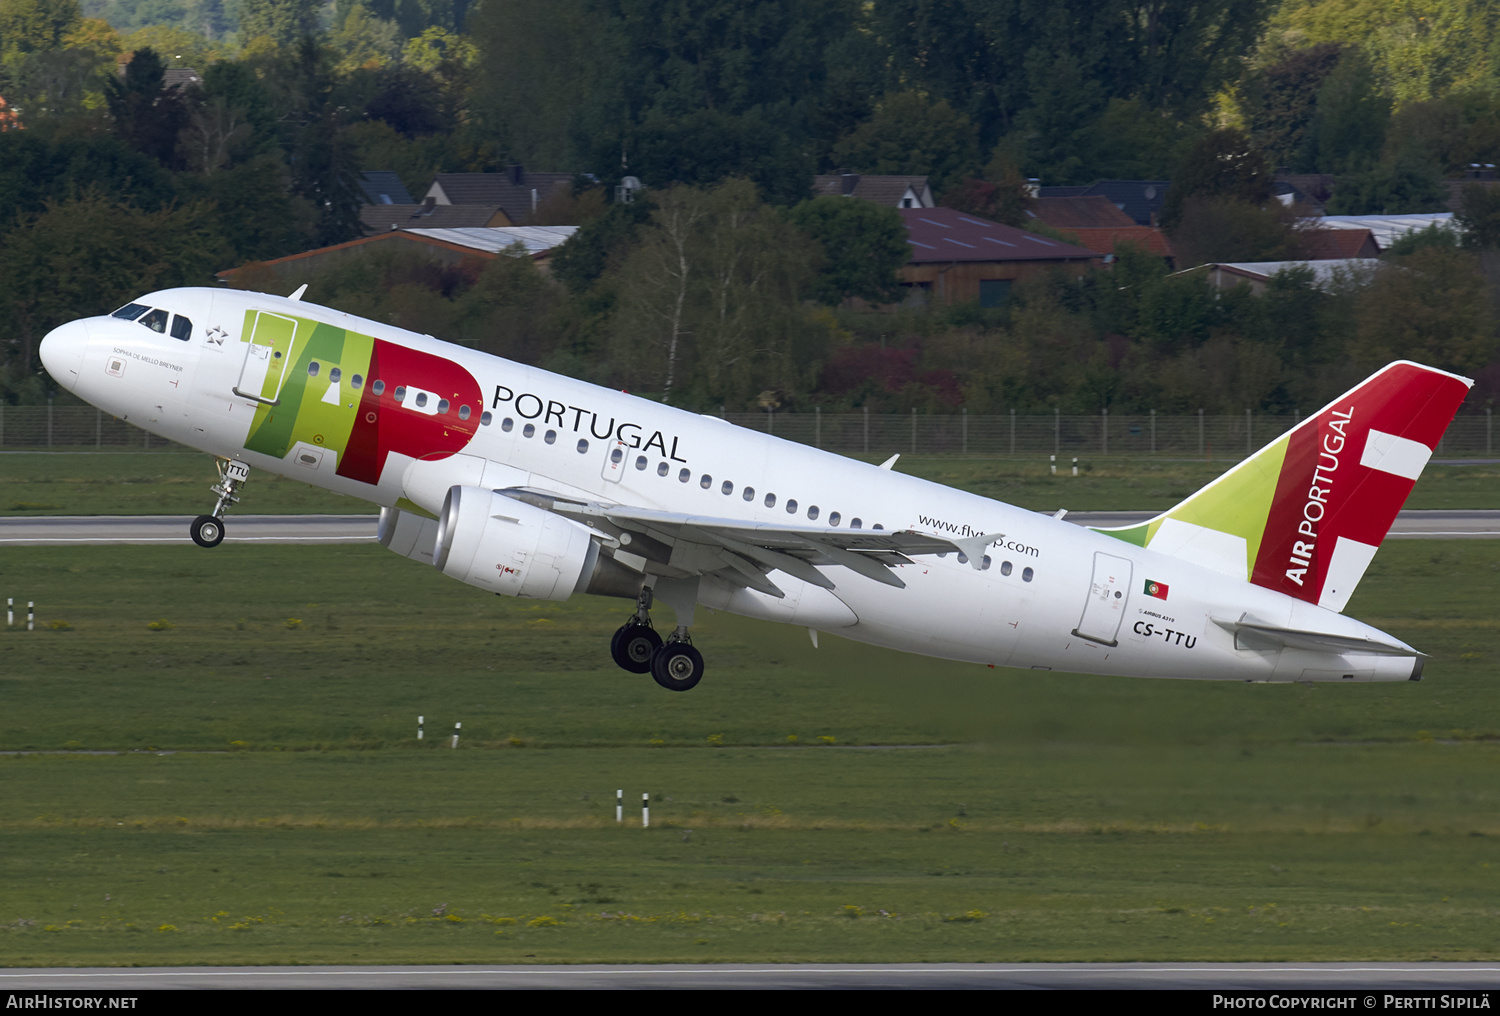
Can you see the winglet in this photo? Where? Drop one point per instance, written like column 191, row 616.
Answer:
column 298, row 294
column 1305, row 514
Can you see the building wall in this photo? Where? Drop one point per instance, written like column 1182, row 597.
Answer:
column 949, row 283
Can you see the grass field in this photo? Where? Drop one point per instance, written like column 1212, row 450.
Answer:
column 176, row 483
column 269, row 802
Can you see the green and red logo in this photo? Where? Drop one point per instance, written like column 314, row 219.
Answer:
column 1156, row 589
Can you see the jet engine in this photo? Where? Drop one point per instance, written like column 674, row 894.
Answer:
column 509, row 547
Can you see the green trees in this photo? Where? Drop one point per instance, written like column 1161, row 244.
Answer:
column 710, row 301
column 862, row 246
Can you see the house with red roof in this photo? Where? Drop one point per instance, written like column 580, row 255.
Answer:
column 959, row 258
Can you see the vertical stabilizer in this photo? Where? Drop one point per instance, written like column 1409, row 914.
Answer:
column 1305, row 514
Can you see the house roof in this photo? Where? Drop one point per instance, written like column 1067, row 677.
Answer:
column 498, row 239
column 384, row 187
column 1107, row 238
column 883, row 190
column 942, row 234
column 518, row 191
column 379, row 218
column 1337, row 244
column 486, row 244
column 1087, row 210
column 1387, row 229
column 1324, row 272
column 1139, row 199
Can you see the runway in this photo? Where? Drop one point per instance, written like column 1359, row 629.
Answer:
column 65, row 530
column 1360, row 980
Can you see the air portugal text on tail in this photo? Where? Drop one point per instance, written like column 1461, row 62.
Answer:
column 553, row 486
column 1345, row 473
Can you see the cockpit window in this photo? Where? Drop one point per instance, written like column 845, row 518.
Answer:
column 182, row 328
column 131, row 311
column 156, row 320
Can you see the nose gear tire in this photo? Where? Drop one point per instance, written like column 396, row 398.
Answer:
column 207, row 531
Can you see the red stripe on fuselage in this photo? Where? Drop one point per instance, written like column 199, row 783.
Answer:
column 383, row 425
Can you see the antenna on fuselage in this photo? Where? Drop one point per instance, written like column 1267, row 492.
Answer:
column 298, row 294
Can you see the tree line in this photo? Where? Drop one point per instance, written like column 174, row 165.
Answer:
column 116, row 183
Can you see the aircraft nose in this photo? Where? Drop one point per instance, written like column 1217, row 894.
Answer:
column 62, row 352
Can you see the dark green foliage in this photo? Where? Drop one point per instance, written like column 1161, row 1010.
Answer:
column 284, row 22
column 863, row 245
column 1410, row 182
column 580, row 262
column 32, row 26
column 147, row 117
column 1478, row 217
column 1281, row 100
column 1213, row 228
column 1225, row 165
column 704, row 147
column 910, row 135
column 33, row 169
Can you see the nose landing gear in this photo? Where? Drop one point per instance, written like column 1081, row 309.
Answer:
column 636, row 647
column 208, row 530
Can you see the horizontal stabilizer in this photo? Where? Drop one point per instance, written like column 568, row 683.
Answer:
column 1250, row 634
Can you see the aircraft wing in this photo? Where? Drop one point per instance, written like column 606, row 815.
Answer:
column 744, row 552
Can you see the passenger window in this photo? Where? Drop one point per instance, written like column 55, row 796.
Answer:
column 727, row 489
column 856, row 524
column 421, row 400
column 378, row 387
column 550, row 437
column 812, row 512
column 616, row 455
column 485, row 418
column 156, row 321
column 963, row 558
column 528, row 431
column 182, row 328
column 791, row 507
column 356, row 381
column 684, row 476
column 985, row 564
column 442, row 407
column 463, row 411
column 131, row 311
column 640, row 462
column 706, row 482
column 662, row 468
column 877, row 526
column 1005, row 568
column 333, row 373
column 400, row 393
column 833, row 519
column 770, row 500
column 749, row 494
column 507, row 425
column 1026, row 574
column 312, row 368
column 583, row 446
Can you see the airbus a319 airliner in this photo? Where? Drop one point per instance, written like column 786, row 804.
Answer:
column 527, row 483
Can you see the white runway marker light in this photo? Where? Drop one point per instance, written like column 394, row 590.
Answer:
column 10, row 611
column 30, row 615
column 419, row 727
column 456, row 728
column 645, row 811
column 619, row 805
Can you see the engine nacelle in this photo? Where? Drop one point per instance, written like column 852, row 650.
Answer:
column 506, row 546
column 408, row 534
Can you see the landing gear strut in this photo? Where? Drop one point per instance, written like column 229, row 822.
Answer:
column 208, row 530
column 636, row 647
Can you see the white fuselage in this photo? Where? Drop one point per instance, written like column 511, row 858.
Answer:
column 1053, row 596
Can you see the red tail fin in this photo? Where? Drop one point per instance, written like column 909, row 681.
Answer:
column 1347, row 472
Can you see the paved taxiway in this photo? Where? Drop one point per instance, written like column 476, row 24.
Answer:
column 1358, row 979
column 62, row 530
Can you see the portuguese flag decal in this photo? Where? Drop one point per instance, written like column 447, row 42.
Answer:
column 1156, row 589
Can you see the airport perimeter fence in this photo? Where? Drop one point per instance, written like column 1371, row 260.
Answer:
column 1196, row 435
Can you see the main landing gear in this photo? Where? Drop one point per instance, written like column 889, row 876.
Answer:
column 208, row 530
column 673, row 664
